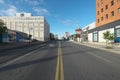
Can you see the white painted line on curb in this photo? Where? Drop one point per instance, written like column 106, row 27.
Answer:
column 16, row 59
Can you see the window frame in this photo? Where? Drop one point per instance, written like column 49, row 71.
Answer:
column 101, row 10
column 98, row 20
column 112, row 13
column 119, row 10
column 106, row 16
column 102, row 18
column 112, row 2
column 98, row 12
column 106, row 6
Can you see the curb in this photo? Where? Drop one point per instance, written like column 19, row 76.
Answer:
column 16, row 47
column 109, row 50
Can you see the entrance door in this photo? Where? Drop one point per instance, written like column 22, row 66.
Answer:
column 95, row 36
column 117, row 35
column 0, row 38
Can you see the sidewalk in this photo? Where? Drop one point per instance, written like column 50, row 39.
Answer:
column 8, row 46
column 115, row 49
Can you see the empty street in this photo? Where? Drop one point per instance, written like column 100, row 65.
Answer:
column 62, row 60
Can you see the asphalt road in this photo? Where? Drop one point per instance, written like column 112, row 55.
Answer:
column 63, row 61
column 13, row 52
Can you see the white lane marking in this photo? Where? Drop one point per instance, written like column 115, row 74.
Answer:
column 41, row 45
column 106, row 60
column 16, row 59
column 51, row 45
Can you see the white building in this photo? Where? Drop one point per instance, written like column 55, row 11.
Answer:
column 95, row 34
column 88, row 36
column 37, row 26
column 78, row 35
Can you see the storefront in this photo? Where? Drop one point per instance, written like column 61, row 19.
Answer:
column 117, row 33
column 95, row 36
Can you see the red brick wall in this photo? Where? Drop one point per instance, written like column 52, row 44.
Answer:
column 107, row 11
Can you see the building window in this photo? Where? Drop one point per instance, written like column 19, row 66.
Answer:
column 102, row 10
column 101, row 18
column 102, row 1
column 106, row 7
column 98, row 20
column 21, row 15
column 106, row 16
column 119, row 10
column 98, row 4
column 112, row 2
column 118, row 32
column 95, row 36
column 112, row 13
column 97, row 12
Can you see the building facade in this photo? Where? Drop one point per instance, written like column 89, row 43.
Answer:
column 78, row 34
column 107, row 11
column 107, row 19
column 37, row 26
column 87, row 35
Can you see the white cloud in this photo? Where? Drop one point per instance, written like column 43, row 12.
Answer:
column 40, row 2
column 1, row 1
column 41, row 11
column 33, row 2
column 11, row 11
column 67, row 22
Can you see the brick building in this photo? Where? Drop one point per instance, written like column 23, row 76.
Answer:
column 107, row 11
column 107, row 19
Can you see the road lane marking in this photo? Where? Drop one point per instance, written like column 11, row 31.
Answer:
column 16, row 59
column 59, row 68
column 51, row 45
column 62, row 70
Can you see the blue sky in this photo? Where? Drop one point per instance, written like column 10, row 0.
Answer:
column 62, row 15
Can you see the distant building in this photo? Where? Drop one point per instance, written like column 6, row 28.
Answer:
column 66, row 35
column 37, row 26
column 78, row 34
column 56, row 36
column 87, row 34
column 72, row 37
column 52, row 36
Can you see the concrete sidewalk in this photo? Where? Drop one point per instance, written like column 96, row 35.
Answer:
column 8, row 46
column 115, row 48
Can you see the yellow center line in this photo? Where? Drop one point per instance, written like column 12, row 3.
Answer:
column 62, row 71
column 59, row 68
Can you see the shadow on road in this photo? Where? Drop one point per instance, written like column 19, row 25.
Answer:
column 19, row 65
